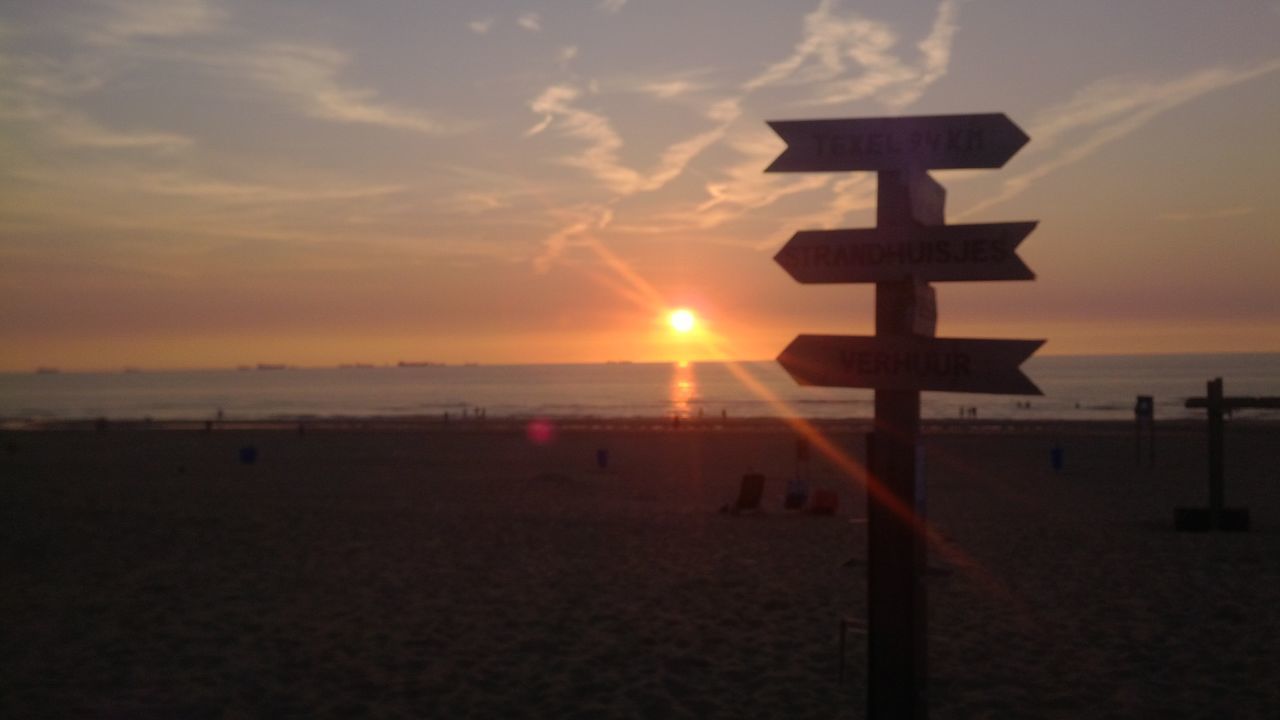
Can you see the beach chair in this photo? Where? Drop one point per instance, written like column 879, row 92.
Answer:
column 749, row 492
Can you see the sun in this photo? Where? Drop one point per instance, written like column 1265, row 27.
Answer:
column 682, row 320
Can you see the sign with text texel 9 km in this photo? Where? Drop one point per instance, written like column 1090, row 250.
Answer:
column 908, row 362
column 894, row 253
column 922, row 142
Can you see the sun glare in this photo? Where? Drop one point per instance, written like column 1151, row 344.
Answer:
column 682, row 321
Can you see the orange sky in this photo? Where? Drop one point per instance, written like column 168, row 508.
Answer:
column 201, row 183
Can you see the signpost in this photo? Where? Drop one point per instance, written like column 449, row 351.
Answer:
column 1216, row 516
column 923, row 142
column 911, row 362
column 909, row 247
column 1144, row 415
column 892, row 254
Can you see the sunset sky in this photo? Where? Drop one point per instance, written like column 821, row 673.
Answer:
column 204, row 183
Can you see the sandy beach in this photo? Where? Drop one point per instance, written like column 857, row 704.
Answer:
column 402, row 570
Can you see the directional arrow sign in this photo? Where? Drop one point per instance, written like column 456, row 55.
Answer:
column 911, row 363
column 921, row 142
column 892, row 253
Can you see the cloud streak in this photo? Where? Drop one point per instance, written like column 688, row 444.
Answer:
column 38, row 95
column 576, row 225
column 833, row 43
column 841, row 57
column 132, row 20
column 600, row 158
column 309, row 76
column 530, row 21
column 1108, row 111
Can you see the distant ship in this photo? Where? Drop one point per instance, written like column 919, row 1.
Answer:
column 408, row 364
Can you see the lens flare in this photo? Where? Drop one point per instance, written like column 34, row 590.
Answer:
column 540, row 431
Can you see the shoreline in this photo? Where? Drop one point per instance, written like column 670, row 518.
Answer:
column 933, row 426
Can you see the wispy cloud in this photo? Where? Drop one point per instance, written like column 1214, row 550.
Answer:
column 64, row 77
column 1108, row 111
column 667, row 89
column 600, row 158
column 481, row 26
column 834, row 41
column 848, row 195
column 612, row 7
column 309, row 75
column 742, row 188
column 745, row 187
column 478, row 191
column 223, row 191
column 566, row 56
column 575, row 224
column 186, row 185
column 75, row 130
column 474, row 202
column 530, row 21
column 129, row 20
column 152, row 206
column 38, row 94
column 841, row 57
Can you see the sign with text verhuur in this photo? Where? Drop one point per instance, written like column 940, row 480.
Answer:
column 908, row 362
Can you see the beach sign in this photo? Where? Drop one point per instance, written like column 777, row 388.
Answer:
column 926, row 253
column 924, row 142
column 910, row 247
column 910, row 362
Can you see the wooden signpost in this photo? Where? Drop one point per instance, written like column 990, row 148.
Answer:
column 1216, row 516
column 923, row 142
column 911, row 362
column 941, row 252
column 909, row 247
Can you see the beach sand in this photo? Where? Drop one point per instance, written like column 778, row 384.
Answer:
column 465, row 571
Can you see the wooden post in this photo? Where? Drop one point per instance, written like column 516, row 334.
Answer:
column 1217, row 516
column 896, row 609
column 1214, row 397
column 1144, row 420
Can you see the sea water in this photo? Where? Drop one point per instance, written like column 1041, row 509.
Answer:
column 1080, row 388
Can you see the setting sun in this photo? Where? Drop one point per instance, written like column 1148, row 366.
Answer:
column 682, row 321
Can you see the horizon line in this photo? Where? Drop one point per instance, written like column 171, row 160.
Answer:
column 277, row 367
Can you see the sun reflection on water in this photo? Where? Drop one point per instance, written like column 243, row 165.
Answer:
column 684, row 389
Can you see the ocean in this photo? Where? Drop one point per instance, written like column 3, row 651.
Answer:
column 1075, row 388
